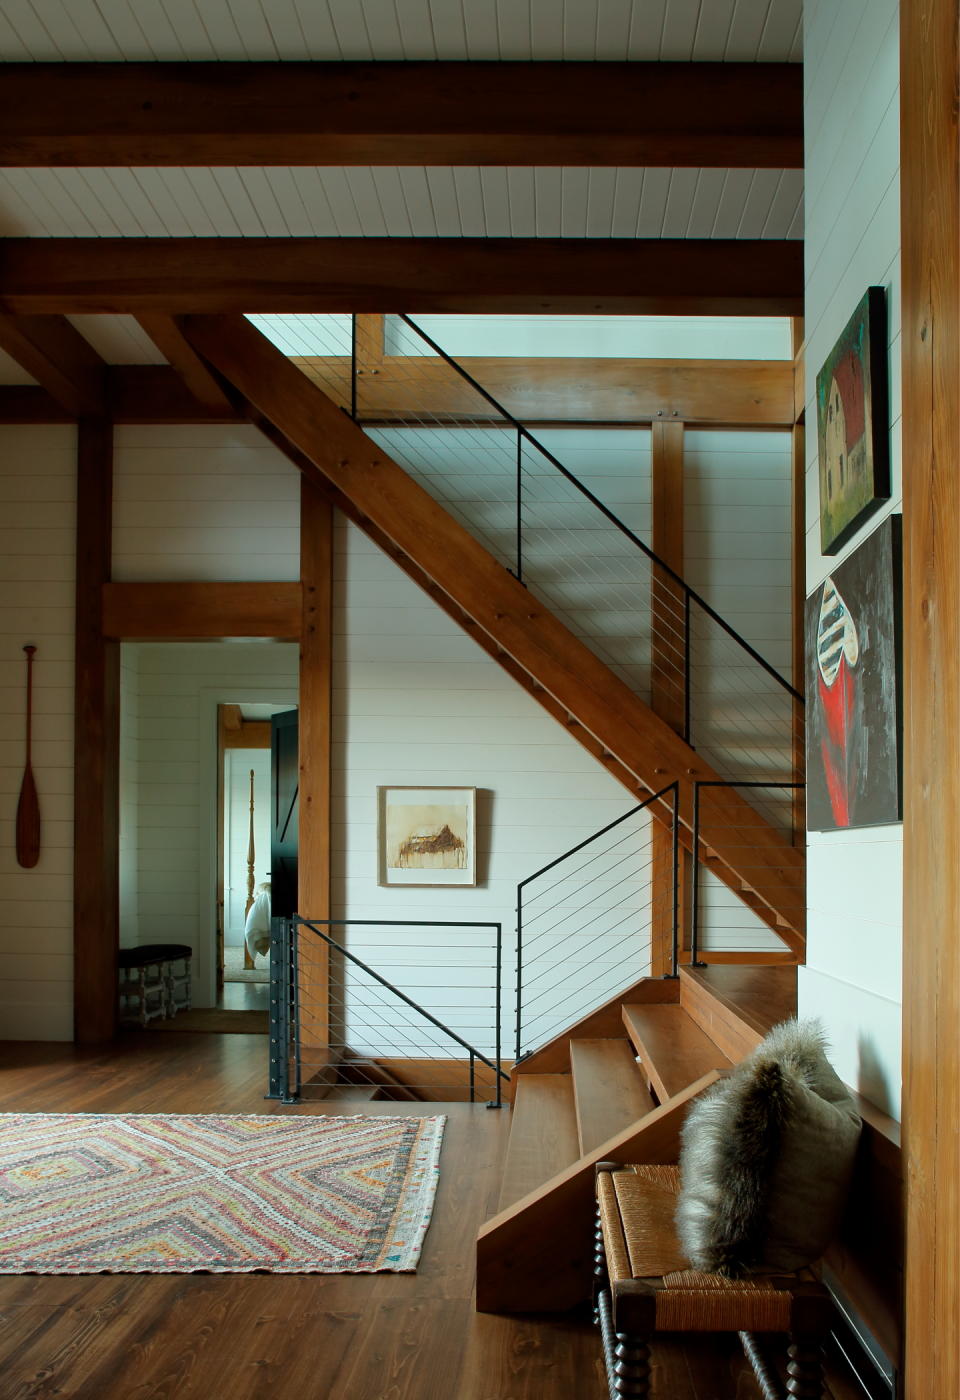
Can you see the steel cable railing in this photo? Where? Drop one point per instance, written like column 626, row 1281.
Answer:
column 405, row 1012
column 587, row 921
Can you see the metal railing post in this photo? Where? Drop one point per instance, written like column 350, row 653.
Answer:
column 498, row 1101
column 279, row 1013
column 519, row 507
column 687, row 677
column 353, row 366
column 695, row 893
column 675, row 964
column 519, row 1023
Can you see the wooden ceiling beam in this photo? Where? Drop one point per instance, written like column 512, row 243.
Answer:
column 572, row 276
column 56, row 354
column 743, row 115
column 201, row 611
column 714, row 393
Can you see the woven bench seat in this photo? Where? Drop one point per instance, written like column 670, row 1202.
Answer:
column 645, row 1286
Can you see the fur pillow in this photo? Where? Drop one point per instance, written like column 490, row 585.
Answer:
column 767, row 1158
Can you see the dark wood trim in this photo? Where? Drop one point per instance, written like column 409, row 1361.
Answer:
column 708, row 393
column 316, row 718
column 403, row 113
column 603, row 276
column 201, row 611
column 97, row 749
column 57, row 355
column 666, row 683
column 930, row 261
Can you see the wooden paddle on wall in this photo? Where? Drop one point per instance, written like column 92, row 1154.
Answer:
column 28, row 808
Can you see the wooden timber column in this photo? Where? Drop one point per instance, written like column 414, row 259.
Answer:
column 96, row 899
column 666, row 687
column 313, row 861
column 930, row 230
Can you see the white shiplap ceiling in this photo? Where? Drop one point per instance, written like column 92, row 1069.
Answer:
column 424, row 202
column 393, row 202
column 541, row 30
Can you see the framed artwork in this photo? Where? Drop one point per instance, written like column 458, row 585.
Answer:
column 853, row 672
column 426, row 836
column 853, row 424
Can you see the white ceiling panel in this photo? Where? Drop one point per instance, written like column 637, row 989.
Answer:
column 417, row 201
column 113, row 30
column 118, row 339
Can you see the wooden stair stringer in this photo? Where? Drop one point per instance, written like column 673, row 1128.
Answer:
column 537, row 1256
column 332, row 447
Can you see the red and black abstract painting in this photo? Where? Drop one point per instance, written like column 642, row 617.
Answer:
column 853, row 673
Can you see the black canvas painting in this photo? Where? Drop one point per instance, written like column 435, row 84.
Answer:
column 853, row 663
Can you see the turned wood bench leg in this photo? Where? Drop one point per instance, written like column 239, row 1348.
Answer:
column 804, row 1367
column 632, row 1368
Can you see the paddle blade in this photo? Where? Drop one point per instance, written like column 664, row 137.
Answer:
column 28, row 822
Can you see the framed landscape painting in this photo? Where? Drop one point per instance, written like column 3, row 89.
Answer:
column 426, row 836
column 853, row 424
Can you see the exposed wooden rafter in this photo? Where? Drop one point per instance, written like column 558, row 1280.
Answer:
column 576, row 276
column 714, row 393
column 56, row 354
column 402, row 114
column 200, row 381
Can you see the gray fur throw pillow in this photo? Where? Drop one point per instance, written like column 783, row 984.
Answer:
column 767, row 1158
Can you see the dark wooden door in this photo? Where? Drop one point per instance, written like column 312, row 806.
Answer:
column 285, row 790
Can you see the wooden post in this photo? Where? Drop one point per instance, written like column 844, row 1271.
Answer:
column 316, row 559
column 799, row 571
column 930, row 232
column 96, row 839
column 666, row 677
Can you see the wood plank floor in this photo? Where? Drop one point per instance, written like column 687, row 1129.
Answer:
column 315, row 1337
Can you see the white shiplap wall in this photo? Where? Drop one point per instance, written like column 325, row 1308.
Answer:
column 737, row 533
column 110, row 30
column 418, row 703
column 851, row 74
column 203, row 502
column 37, row 523
column 176, row 689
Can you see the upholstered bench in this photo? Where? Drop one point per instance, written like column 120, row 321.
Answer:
column 645, row 1286
column 149, row 976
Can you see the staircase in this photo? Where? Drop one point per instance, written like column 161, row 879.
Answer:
column 560, row 670
column 616, row 1087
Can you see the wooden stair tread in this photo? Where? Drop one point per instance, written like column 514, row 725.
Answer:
column 761, row 996
column 543, row 1134
column 674, row 1050
column 608, row 1090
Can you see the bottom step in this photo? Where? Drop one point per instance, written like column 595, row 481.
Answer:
column 543, row 1134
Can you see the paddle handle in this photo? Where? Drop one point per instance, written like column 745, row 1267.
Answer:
column 30, row 653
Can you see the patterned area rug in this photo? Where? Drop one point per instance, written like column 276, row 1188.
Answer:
column 164, row 1193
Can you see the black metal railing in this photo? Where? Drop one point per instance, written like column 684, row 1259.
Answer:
column 586, row 934
column 389, row 1017
column 733, row 922
column 574, row 538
